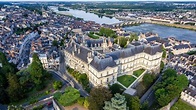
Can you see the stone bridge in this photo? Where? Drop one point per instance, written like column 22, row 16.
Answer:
column 127, row 23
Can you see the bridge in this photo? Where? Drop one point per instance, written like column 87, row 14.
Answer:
column 127, row 23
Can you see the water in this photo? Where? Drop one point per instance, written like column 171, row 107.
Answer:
column 165, row 31
column 88, row 16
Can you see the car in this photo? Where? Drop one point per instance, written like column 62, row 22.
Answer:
column 49, row 103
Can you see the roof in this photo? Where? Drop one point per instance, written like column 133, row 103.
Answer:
column 190, row 92
column 181, row 46
column 153, row 38
column 83, row 51
column 133, row 50
column 102, row 63
column 193, row 83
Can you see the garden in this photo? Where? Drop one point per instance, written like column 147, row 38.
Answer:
column 126, row 80
column 138, row 72
column 81, row 78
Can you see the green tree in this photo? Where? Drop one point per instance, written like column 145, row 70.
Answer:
column 69, row 97
column 118, row 102
column 170, row 87
column 162, row 65
column 116, row 88
column 14, row 107
column 57, row 85
column 144, row 106
column 86, row 102
column 164, row 52
column 14, row 89
column 133, row 36
column 148, row 79
column 4, row 97
column 135, row 103
column 55, row 43
column 122, row 42
column 36, row 70
column 62, row 42
column 98, row 95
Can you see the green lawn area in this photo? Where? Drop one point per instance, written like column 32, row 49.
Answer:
column 181, row 105
column 138, row 72
column 126, row 80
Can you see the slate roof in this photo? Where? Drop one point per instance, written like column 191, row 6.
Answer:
column 83, row 51
column 181, row 46
column 102, row 63
column 132, row 50
column 92, row 42
column 192, row 92
column 153, row 49
column 193, row 83
column 154, row 38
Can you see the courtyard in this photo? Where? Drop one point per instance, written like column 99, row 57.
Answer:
column 126, row 80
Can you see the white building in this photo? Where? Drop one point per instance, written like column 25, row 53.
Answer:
column 189, row 94
column 104, row 68
column 48, row 63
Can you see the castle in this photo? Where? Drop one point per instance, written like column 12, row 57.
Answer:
column 103, row 62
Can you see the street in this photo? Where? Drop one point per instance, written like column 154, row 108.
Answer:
column 62, row 70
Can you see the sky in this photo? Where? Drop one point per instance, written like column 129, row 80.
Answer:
column 97, row 0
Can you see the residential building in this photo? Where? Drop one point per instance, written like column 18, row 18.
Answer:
column 189, row 94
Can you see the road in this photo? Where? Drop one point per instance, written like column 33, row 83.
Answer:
column 62, row 70
column 24, row 51
column 149, row 95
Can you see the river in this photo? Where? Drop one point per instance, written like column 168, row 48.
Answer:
column 164, row 31
column 87, row 16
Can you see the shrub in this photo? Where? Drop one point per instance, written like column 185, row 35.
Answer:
column 69, row 97
column 86, row 102
column 57, row 95
column 81, row 100
column 57, row 85
column 38, row 107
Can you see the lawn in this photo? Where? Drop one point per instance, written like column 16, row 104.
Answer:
column 126, row 80
column 138, row 72
column 181, row 105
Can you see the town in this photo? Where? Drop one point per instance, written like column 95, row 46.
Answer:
column 50, row 59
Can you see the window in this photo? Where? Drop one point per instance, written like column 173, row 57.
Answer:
column 107, row 79
column 113, row 77
column 101, row 81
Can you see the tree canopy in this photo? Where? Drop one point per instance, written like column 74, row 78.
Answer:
column 69, row 97
column 170, row 86
column 36, row 70
column 107, row 32
column 117, row 102
column 98, row 95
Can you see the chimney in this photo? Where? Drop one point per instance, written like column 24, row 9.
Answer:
column 75, row 49
column 78, row 50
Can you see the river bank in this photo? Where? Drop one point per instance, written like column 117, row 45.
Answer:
column 189, row 27
column 164, row 31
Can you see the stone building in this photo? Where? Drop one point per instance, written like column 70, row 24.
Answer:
column 189, row 94
column 103, row 68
